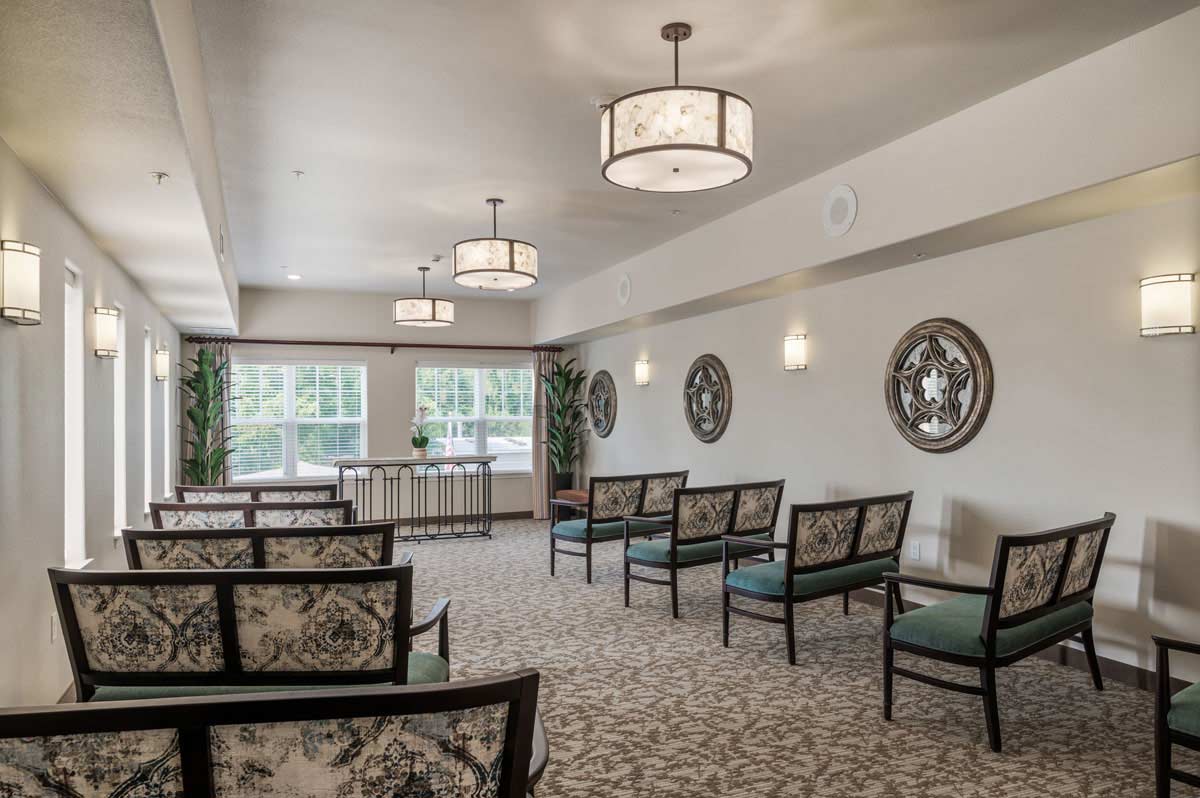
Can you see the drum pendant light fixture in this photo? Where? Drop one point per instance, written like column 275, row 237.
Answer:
column 495, row 264
column 423, row 311
column 677, row 138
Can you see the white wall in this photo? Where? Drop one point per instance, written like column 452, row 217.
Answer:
column 391, row 386
column 1086, row 415
column 33, row 669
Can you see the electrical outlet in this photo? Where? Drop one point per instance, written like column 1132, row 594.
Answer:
column 53, row 627
column 914, row 551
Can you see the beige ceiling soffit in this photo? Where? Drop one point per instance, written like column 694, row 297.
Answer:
column 1151, row 187
column 180, row 42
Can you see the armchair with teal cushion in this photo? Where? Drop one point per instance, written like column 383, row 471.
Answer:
column 832, row 548
column 1040, row 594
column 699, row 519
column 610, row 500
column 1176, row 718
column 169, row 633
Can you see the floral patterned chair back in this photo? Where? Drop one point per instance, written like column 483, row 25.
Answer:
column 220, row 627
column 354, row 546
column 703, row 514
column 231, row 494
column 234, row 515
column 302, row 513
column 1037, row 574
column 469, row 739
column 613, row 498
column 844, row 532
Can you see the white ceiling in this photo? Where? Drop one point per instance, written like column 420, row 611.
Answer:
column 87, row 103
column 405, row 116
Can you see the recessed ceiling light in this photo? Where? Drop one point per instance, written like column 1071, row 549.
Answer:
column 294, row 277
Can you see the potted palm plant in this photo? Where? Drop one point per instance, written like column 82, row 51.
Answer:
column 203, row 383
column 565, row 420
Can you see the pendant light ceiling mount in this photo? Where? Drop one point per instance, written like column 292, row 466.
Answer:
column 674, row 139
column 423, row 311
column 495, row 264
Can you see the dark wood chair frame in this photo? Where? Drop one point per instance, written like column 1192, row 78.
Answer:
column 88, row 679
column 789, row 599
column 556, row 505
column 673, row 565
column 993, row 623
column 1164, row 736
column 257, row 536
column 248, row 509
column 255, row 491
column 192, row 718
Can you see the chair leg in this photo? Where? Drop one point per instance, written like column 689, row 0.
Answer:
column 845, row 604
column 889, row 658
column 724, row 618
column 552, row 555
column 674, row 593
column 789, row 628
column 588, row 557
column 991, row 708
column 1162, row 763
column 627, row 583
column 1089, row 648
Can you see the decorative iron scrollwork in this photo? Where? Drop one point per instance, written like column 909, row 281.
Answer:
column 707, row 398
column 938, row 385
column 602, row 403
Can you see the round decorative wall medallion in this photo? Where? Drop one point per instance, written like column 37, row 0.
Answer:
column 624, row 289
column 707, row 398
column 938, row 385
column 602, row 403
column 840, row 211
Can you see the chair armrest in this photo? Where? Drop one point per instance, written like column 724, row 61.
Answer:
column 568, row 503
column 755, row 542
column 916, row 581
column 439, row 615
column 1176, row 645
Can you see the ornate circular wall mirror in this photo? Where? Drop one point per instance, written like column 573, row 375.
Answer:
column 602, row 403
column 707, row 398
column 938, row 385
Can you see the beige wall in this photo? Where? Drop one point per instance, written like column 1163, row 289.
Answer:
column 391, row 387
column 33, row 669
column 1086, row 416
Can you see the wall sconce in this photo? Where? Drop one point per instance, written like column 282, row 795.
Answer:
column 162, row 365
column 20, row 282
column 106, row 332
column 641, row 372
column 1167, row 304
column 795, row 353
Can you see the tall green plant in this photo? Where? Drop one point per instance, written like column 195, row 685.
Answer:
column 565, row 418
column 203, row 385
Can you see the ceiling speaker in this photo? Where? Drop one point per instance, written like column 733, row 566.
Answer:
column 840, row 211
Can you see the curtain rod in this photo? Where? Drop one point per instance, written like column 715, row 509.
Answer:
column 221, row 339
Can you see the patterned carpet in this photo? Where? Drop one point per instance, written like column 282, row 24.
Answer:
column 636, row 704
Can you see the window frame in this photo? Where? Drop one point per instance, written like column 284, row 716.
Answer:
column 289, row 421
column 481, row 419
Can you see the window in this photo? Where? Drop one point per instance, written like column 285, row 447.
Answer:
column 120, row 511
column 479, row 410
column 168, row 393
column 148, row 420
column 74, row 539
column 292, row 420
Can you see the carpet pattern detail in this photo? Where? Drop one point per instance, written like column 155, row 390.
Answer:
column 638, row 704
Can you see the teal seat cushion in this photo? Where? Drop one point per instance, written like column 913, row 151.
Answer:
column 1184, row 715
column 768, row 577
column 955, row 627
column 577, row 528
column 423, row 668
column 660, row 550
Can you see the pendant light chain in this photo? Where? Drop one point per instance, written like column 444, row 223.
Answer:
column 676, row 61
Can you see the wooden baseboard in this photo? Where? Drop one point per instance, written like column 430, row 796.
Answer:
column 1121, row 672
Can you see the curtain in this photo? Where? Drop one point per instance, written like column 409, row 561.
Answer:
column 223, row 350
column 543, row 477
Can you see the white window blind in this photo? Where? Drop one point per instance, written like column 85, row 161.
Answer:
column 479, row 410
column 292, row 420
